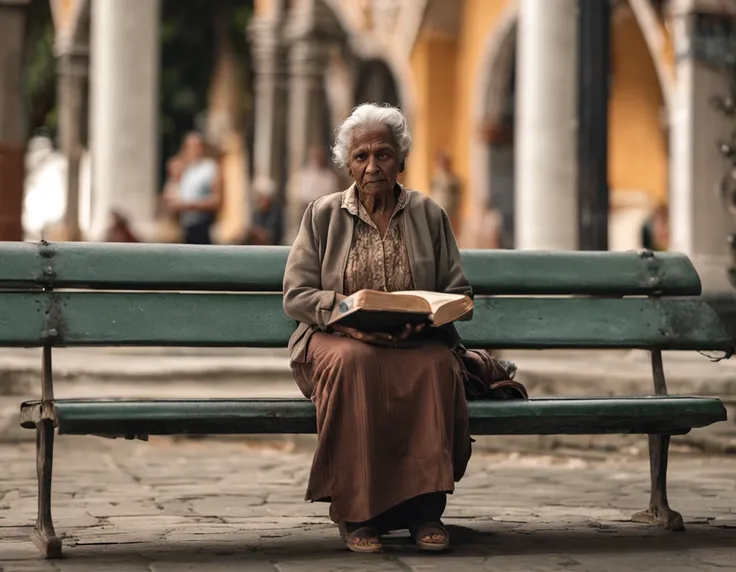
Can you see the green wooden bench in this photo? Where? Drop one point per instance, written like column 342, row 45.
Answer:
column 56, row 295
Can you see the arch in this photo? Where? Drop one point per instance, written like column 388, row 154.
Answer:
column 366, row 46
column 655, row 38
column 413, row 15
column 492, row 88
column 638, row 157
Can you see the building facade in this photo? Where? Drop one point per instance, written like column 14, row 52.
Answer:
column 490, row 83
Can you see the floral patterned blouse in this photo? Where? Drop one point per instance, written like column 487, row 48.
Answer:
column 376, row 263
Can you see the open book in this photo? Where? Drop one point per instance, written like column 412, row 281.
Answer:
column 375, row 311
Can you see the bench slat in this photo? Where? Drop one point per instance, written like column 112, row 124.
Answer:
column 238, row 268
column 616, row 415
column 257, row 320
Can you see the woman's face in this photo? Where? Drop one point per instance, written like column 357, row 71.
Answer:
column 374, row 162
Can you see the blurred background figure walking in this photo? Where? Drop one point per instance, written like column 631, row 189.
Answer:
column 317, row 178
column 196, row 196
column 446, row 189
column 655, row 233
column 266, row 226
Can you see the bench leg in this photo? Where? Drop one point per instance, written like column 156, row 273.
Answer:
column 659, row 512
column 43, row 535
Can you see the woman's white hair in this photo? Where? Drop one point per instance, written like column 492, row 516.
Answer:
column 371, row 114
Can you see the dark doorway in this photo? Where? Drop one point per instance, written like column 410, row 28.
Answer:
column 376, row 84
column 502, row 147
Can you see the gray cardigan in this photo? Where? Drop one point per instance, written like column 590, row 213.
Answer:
column 315, row 269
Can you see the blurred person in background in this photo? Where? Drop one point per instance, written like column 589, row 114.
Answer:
column 316, row 179
column 488, row 230
column 445, row 188
column 655, row 232
column 266, row 224
column 167, row 222
column 197, row 195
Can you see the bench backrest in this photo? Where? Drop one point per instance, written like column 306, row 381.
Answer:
column 231, row 296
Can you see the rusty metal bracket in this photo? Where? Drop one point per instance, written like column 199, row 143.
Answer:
column 654, row 268
column 48, row 272
column 51, row 334
column 53, row 331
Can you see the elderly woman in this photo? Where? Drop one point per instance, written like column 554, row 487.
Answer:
column 392, row 417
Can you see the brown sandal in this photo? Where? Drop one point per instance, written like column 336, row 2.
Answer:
column 423, row 533
column 364, row 540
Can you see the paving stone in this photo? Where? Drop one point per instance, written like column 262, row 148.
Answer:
column 249, row 566
column 519, row 563
column 40, row 566
column 225, row 505
column 99, row 562
column 339, row 563
column 723, row 522
column 715, row 557
column 219, row 505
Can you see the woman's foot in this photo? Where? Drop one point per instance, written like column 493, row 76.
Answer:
column 431, row 536
column 360, row 537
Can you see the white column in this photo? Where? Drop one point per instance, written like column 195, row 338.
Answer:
column 73, row 70
column 124, row 112
column 699, row 222
column 546, row 126
column 270, row 91
column 308, row 61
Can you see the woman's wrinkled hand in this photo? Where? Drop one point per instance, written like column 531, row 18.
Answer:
column 408, row 331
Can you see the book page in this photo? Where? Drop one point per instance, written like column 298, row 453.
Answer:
column 436, row 299
column 446, row 308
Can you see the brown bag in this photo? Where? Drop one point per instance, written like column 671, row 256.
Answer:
column 485, row 377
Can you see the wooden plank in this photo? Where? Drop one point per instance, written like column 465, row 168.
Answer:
column 257, row 320
column 532, row 273
column 240, row 268
column 615, row 415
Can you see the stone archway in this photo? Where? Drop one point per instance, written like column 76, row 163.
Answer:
column 638, row 155
column 388, row 48
column 492, row 151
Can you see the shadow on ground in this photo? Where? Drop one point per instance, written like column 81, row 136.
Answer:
column 320, row 544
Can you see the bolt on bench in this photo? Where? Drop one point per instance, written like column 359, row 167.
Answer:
column 76, row 294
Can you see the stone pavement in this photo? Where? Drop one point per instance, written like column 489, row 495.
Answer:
column 212, row 505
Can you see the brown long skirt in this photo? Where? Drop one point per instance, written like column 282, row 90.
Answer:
column 392, row 424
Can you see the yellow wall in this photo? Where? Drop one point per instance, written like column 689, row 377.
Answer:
column 480, row 18
column 262, row 7
column 446, row 72
column 433, row 66
column 637, row 158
